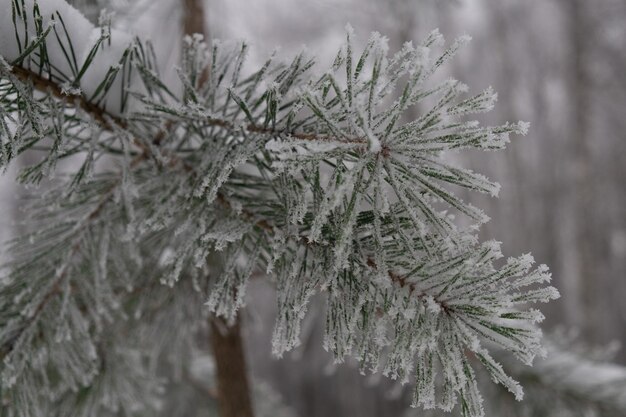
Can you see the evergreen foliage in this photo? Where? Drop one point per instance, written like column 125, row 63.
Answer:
column 179, row 198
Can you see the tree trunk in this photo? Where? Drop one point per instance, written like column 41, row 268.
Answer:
column 193, row 18
column 233, row 391
column 586, row 283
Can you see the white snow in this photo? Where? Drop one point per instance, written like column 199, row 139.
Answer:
column 108, row 56
column 67, row 57
column 76, row 26
column 151, row 20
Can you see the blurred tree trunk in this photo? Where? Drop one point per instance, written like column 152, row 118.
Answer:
column 508, row 79
column 193, row 18
column 583, row 286
column 233, row 390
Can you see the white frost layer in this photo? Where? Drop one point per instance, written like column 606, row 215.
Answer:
column 67, row 57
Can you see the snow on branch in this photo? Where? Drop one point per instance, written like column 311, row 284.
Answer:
column 55, row 41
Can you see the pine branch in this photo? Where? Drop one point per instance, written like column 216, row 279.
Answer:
column 105, row 118
column 315, row 178
column 75, row 248
column 109, row 121
column 46, row 85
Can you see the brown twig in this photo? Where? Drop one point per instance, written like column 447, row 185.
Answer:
column 105, row 118
column 46, row 85
column 402, row 282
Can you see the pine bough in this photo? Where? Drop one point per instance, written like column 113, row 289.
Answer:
column 315, row 181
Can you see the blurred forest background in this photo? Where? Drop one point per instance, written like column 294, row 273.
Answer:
column 558, row 64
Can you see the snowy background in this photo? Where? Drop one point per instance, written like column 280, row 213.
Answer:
column 558, row 64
